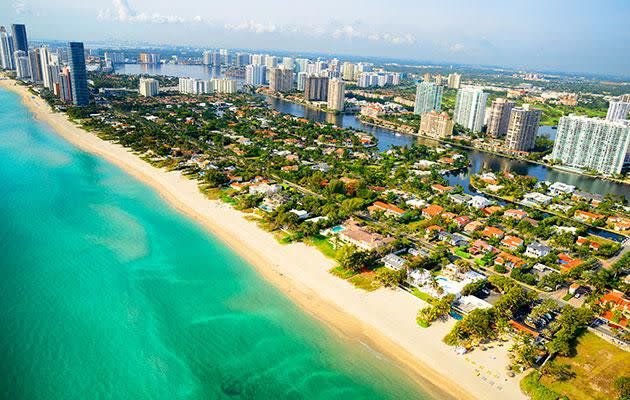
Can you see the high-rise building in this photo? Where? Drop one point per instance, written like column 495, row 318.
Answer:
column 499, row 117
column 592, row 143
column 242, row 59
column 280, row 79
column 426, row 77
column 6, row 50
column 44, row 60
column 255, row 74
column 271, row 61
column 115, row 57
column 20, row 41
column 522, row 128
column 207, row 57
column 258, row 59
column 288, row 63
column 301, row 64
column 348, row 71
column 149, row 87
column 336, row 94
column 224, row 85
column 22, row 67
column 65, row 85
column 618, row 110
column 301, row 80
column 35, row 65
column 316, row 88
column 436, row 125
column 470, row 108
column 428, row 97
column 226, row 57
column 454, row 80
column 439, row 80
column 78, row 74
column 625, row 98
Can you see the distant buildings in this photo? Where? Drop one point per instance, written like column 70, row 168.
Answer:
column 618, row 110
column 301, row 80
column 499, row 117
column 149, row 58
column 336, row 94
column 149, row 87
column 522, row 128
column 470, row 108
column 454, row 81
column 35, row 66
column 280, row 79
column 316, row 88
column 6, row 50
column 348, row 71
column 428, row 98
column 436, row 125
column 65, row 85
column 592, row 143
column 78, row 74
column 255, row 74
column 367, row 79
column 205, row 86
column 22, row 66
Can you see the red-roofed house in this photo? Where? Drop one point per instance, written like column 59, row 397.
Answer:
column 387, row 208
column 582, row 241
column 491, row 231
column 432, row 210
column 441, row 188
column 512, row 242
column 567, row 263
column 461, row 221
column 516, row 214
column 586, row 216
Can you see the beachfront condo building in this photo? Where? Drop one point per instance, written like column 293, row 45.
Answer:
column 22, row 66
column 20, row 41
column 522, row 128
column 499, row 117
column 470, row 108
column 255, row 74
column 35, row 66
column 428, row 98
column 618, row 110
column 336, row 94
column 6, row 50
column 78, row 74
column 149, row 87
column 436, row 125
column 592, row 143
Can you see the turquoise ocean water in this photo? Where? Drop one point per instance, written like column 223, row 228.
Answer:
column 106, row 292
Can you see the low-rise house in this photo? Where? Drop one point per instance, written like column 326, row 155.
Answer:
column 509, row 261
column 473, row 226
column 362, row 238
column 535, row 199
column 617, row 307
column 480, row 247
column 559, row 188
column 582, row 241
column 432, row 210
column 492, row 232
column 537, row 250
column 393, row 261
column 461, row 221
column 441, row 188
column 512, row 242
column 416, row 203
column 432, row 231
column 594, row 199
column 567, row 263
column 264, row 188
column 516, row 214
column 460, row 198
column 479, row 202
column 619, row 223
column 449, row 216
column 465, row 304
column 389, row 209
column 491, row 210
column 586, row 216
column 419, row 278
column 271, row 203
column 301, row 214
column 454, row 239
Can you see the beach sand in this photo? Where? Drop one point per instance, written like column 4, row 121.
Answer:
column 383, row 319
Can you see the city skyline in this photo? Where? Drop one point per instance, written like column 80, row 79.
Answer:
column 492, row 34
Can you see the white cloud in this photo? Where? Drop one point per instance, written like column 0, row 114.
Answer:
column 455, row 47
column 252, row 26
column 123, row 13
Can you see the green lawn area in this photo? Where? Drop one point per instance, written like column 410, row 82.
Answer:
column 422, row 296
column 531, row 386
column 323, row 244
column 596, row 364
column 342, row 272
column 365, row 280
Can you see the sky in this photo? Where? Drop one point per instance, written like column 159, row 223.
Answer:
column 590, row 36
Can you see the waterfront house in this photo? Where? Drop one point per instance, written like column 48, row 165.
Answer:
column 619, row 223
column 419, row 277
column 432, row 210
column 393, row 261
column 301, row 214
column 359, row 236
column 559, row 188
column 441, row 188
column 586, row 216
column 492, row 232
column 567, row 263
column 537, row 250
column 466, row 304
column 582, row 241
column 594, row 199
column 492, row 210
column 516, row 214
column 479, row 202
column 264, row 188
column 535, row 199
column 460, row 198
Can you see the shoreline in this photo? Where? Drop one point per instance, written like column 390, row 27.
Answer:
column 384, row 319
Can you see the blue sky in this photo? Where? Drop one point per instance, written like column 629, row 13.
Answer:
column 566, row 35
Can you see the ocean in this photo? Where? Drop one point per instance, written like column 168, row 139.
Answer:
column 107, row 292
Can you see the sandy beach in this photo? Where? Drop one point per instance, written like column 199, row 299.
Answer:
column 384, row 319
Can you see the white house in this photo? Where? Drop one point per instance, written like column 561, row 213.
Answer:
column 392, row 261
column 537, row 250
column 479, row 202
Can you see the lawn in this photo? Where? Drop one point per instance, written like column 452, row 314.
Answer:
column 596, row 364
column 366, row 281
column 323, row 244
